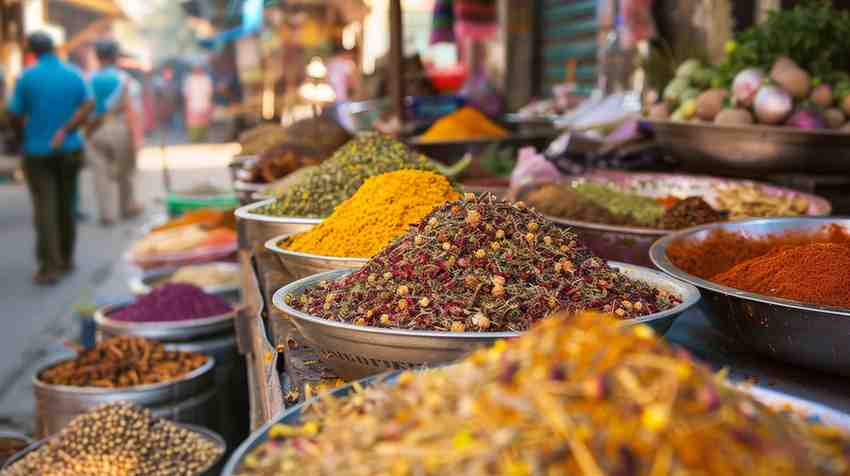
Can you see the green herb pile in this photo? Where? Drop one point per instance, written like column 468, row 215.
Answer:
column 320, row 190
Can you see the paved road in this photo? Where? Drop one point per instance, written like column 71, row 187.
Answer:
column 35, row 320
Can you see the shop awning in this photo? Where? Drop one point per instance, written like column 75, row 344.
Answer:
column 105, row 7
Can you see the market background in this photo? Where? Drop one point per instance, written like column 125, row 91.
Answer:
column 260, row 53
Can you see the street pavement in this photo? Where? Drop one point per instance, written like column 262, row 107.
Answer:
column 36, row 320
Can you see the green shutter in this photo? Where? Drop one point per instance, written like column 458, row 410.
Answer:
column 568, row 29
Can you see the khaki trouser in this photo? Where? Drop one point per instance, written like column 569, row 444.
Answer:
column 113, row 159
column 52, row 182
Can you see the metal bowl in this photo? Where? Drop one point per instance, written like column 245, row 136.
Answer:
column 777, row 400
column 302, row 265
column 631, row 244
column 790, row 331
column 143, row 283
column 168, row 330
column 355, row 351
column 206, row 433
column 755, row 149
column 452, row 150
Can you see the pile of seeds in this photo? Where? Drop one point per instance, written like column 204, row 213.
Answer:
column 321, row 189
column 480, row 265
column 119, row 439
column 122, row 362
column 582, row 395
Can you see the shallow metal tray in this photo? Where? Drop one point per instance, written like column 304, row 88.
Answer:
column 171, row 331
column 754, row 150
column 210, row 435
column 354, row 351
column 631, row 244
column 780, row 401
column 144, row 282
column 790, row 331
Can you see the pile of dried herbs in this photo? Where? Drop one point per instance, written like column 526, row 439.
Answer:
column 582, row 395
column 320, row 190
column 480, row 265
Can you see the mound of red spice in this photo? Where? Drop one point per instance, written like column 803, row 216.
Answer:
column 815, row 273
column 173, row 302
column 480, row 265
column 721, row 250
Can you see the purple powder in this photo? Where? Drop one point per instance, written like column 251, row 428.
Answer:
column 173, row 302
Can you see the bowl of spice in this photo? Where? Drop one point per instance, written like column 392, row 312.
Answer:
column 779, row 287
column 620, row 214
column 578, row 395
column 220, row 278
column 123, row 369
column 473, row 271
column 12, row 443
column 384, row 208
column 173, row 311
column 121, row 439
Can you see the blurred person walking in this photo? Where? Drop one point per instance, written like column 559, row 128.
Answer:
column 198, row 95
column 111, row 145
column 50, row 102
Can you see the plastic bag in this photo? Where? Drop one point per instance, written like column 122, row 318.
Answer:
column 532, row 167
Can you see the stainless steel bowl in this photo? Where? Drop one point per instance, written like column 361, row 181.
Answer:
column 754, row 150
column 790, row 331
column 779, row 401
column 301, row 265
column 206, row 433
column 174, row 330
column 355, row 351
column 631, row 244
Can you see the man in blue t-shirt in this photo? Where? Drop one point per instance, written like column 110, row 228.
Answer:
column 50, row 102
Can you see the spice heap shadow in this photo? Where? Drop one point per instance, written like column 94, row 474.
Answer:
column 320, row 190
column 480, row 265
column 582, row 395
column 122, row 362
column 119, row 439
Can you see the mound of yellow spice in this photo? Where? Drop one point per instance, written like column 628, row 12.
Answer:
column 382, row 209
column 463, row 124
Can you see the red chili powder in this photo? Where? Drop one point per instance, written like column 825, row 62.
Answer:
column 815, row 273
column 722, row 250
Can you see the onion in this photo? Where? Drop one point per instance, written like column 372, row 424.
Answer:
column 834, row 118
column 772, row 105
column 822, row 95
column 746, row 85
column 807, row 118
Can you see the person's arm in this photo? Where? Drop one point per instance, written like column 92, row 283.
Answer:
column 79, row 118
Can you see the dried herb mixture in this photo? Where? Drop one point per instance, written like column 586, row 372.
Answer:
column 581, row 395
column 480, row 265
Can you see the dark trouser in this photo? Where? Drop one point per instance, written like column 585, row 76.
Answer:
column 52, row 183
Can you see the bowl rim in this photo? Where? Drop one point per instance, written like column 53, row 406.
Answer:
column 690, row 296
column 658, row 255
column 754, row 128
column 273, row 246
column 247, row 213
column 813, row 199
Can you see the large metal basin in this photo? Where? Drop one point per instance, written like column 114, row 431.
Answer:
column 354, row 351
column 631, row 244
column 790, row 331
column 302, row 265
column 754, row 150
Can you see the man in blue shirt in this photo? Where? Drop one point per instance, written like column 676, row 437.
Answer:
column 50, row 102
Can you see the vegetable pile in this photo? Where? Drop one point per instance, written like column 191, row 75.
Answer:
column 793, row 70
column 579, row 395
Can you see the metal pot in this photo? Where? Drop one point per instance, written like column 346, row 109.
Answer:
column 188, row 399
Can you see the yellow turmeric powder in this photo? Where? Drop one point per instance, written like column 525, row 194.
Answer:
column 463, row 124
column 383, row 208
